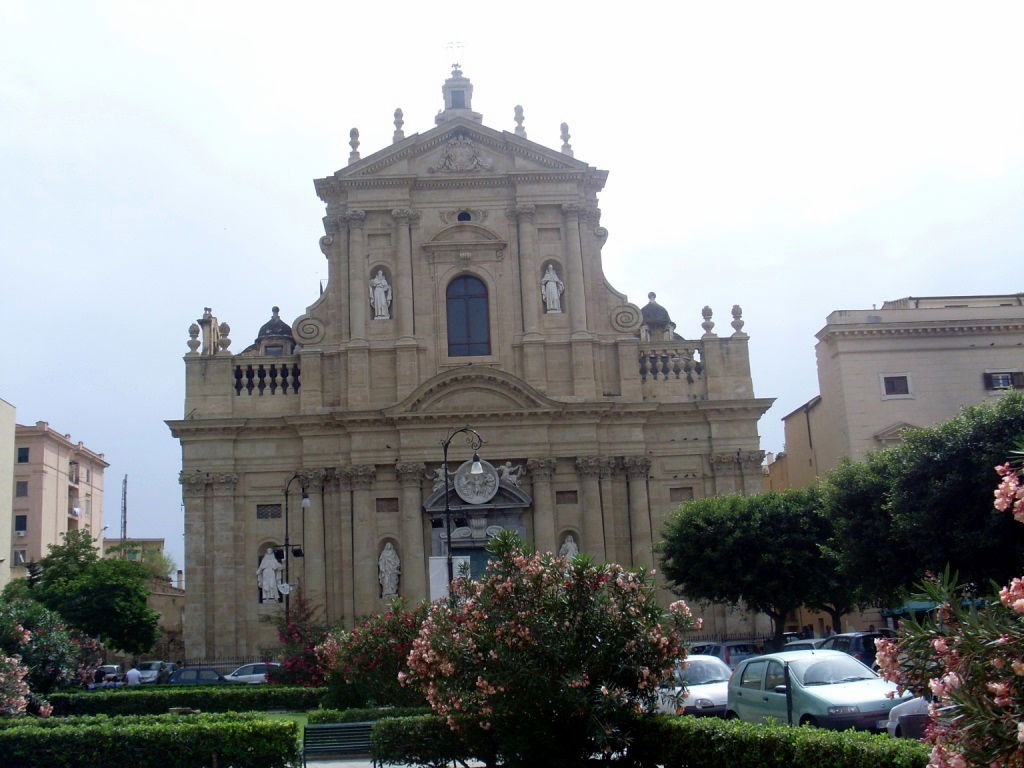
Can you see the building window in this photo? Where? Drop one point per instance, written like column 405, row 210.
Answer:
column 268, row 511
column 469, row 330
column 20, row 556
column 458, row 99
column 23, row 455
column 21, row 489
column 895, row 385
column 1004, row 380
column 566, row 497
column 464, row 216
column 21, row 523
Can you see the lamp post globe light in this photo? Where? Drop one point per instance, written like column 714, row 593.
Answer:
column 474, row 442
column 286, row 588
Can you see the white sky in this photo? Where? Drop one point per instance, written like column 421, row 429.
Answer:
column 794, row 158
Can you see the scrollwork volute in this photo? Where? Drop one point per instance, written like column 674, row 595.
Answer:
column 308, row 330
column 326, row 242
column 626, row 318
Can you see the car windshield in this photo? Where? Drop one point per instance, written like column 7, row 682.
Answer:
column 827, row 671
column 148, row 666
column 702, row 671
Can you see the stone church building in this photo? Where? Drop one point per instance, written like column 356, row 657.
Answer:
column 465, row 288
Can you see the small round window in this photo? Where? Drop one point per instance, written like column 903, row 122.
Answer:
column 464, row 216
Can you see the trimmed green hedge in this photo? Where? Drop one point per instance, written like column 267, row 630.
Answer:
column 238, row 742
column 362, row 715
column 670, row 741
column 119, row 720
column 214, row 698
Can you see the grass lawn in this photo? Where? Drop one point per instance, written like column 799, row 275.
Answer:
column 298, row 717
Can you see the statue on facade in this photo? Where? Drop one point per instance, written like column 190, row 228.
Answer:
column 551, row 290
column 569, row 549
column 437, row 478
column 269, row 575
column 507, row 473
column 380, row 296
column 389, row 566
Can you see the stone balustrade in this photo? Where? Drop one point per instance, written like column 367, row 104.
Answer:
column 268, row 376
column 665, row 363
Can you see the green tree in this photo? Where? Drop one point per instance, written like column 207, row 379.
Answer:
column 102, row 598
column 761, row 550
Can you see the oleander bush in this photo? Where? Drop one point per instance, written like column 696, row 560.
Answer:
column 669, row 741
column 240, row 742
column 157, row 700
column 363, row 715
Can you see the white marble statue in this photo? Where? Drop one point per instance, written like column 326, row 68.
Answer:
column 551, row 290
column 380, row 296
column 389, row 566
column 437, row 478
column 268, row 576
column 509, row 473
column 569, row 549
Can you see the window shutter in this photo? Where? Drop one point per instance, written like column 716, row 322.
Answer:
column 987, row 378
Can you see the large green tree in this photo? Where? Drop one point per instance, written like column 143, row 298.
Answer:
column 763, row 550
column 101, row 597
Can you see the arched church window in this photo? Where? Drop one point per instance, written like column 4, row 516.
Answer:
column 469, row 330
column 464, row 216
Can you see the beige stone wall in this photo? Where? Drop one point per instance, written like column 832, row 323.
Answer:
column 615, row 420
column 64, row 491
column 7, row 414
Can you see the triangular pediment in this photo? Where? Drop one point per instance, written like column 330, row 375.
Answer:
column 461, row 148
column 893, row 433
column 474, row 390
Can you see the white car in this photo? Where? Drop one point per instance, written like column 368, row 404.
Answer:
column 251, row 673
column 918, row 706
column 702, row 687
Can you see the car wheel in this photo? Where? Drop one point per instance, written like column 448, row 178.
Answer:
column 809, row 721
column 730, row 715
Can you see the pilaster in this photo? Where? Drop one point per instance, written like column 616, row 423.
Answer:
column 364, row 554
column 193, row 492
column 637, row 469
column 346, row 545
column 414, row 561
column 225, row 568
column 407, row 362
column 607, row 467
column 544, row 533
column 574, row 269
column 588, row 469
column 529, row 284
column 314, row 539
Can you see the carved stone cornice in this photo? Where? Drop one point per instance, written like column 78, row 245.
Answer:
column 355, row 218
column 403, row 215
column 588, row 466
column 966, row 328
column 193, row 481
column 571, row 209
column 314, row 476
column 609, row 466
column 361, row 476
column 410, row 472
column 525, row 211
column 637, row 466
column 541, row 469
column 735, row 458
column 223, row 482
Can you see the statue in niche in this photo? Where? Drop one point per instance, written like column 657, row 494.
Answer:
column 507, row 473
column 389, row 566
column 269, row 575
column 380, row 296
column 551, row 290
column 568, row 549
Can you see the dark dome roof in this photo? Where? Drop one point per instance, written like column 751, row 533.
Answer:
column 275, row 328
column 653, row 313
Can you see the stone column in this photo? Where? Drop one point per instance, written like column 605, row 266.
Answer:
column 607, row 468
column 358, row 296
column 346, row 545
column 414, row 561
column 332, row 547
column 637, row 468
column 314, row 540
column 574, row 269
column 193, row 491
column 407, row 374
column 364, row 539
column 529, row 286
column 725, row 470
column 588, row 469
column 226, row 595
column 545, row 535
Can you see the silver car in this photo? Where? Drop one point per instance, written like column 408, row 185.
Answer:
column 829, row 689
column 251, row 673
column 701, row 687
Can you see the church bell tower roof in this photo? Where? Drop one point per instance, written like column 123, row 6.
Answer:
column 458, row 98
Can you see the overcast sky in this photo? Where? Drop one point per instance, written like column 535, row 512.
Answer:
column 793, row 158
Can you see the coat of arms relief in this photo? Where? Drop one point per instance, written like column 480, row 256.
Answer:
column 460, row 155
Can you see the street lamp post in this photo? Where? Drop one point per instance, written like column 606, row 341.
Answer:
column 304, row 504
column 474, row 441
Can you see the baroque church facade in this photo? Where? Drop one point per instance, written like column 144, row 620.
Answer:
column 465, row 288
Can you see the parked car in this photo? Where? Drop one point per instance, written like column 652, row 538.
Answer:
column 251, row 673
column 111, row 671
column 829, row 689
column 148, row 670
column 732, row 653
column 860, row 645
column 701, row 687
column 804, row 645
column 916, row 706
column 196, row 676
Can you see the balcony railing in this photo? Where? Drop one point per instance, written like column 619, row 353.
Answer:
column 669, row 363
column 267, row 378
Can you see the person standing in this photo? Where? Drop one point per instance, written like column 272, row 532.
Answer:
column 132, row 676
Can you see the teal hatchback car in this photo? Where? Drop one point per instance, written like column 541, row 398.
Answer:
column 828, row 689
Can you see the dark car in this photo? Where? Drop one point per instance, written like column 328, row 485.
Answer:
column 732, row 652
column 860, row 645
column 196, row 676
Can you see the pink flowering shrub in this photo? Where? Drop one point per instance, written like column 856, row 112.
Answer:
column 362, row 665
column 14, row 693
column 299, row 635
column 969, row 655
column 554, row 657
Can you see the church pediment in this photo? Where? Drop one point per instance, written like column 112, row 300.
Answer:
column 476, row 391
column 462, row 148
column 893, row 433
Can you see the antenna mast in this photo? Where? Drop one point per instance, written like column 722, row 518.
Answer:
column 124, row 517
